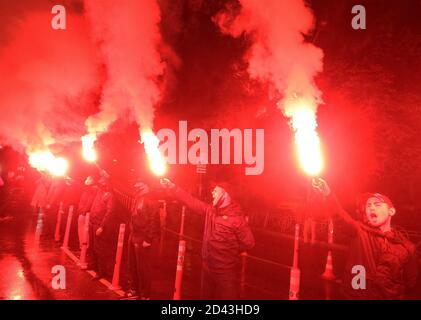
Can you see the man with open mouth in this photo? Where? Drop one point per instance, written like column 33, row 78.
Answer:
column 386, row 255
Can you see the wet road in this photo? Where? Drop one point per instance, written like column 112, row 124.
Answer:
column 27, row 259
column 26, row 265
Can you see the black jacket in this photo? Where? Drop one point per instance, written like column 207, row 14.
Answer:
column 389, row 259
column 226, row 233
column 144, row 222
column 103, row 209
column 87, row 199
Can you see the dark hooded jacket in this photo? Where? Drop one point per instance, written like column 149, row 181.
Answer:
column 226, row 233
column 389, row 259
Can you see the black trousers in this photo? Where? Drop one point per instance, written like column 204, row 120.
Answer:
column 50, row 219
column 100, row 252
column 219, row 285
column 140, row 267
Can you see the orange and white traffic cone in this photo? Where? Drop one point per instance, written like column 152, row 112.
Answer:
column 328, row 274
column 58, row 224
column 85, row 243
column 67, row 233
column 180, row 260
column 116, row 275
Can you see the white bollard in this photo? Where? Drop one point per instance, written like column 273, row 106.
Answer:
column 38, row 230
column 58, row 223
column 85, row 243
column 162, row 220
column 294, row 282
column 67, row 233
column 180, row 259
column 116, row 275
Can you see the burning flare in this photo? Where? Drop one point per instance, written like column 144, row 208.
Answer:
column 281, row 55
column 304, row 124
column 156, row 160
column 46, row 161
column 88, row 150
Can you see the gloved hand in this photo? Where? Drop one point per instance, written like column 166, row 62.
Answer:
column 166, row 183
column 320, row 185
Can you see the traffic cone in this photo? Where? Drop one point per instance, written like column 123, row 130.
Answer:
column 328, row 274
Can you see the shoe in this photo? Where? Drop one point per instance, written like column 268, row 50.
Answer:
column 130, row 295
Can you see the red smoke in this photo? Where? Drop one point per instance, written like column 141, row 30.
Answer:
column 128, row 35
column 53, row 75
column 280, row 56
column 278, row 53
column 48, row 77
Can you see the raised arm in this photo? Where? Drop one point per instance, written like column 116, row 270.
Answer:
column 184, row 197
column 334, row 204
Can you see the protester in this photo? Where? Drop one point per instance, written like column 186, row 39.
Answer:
column 87, row 198
column 144, row 231
column 226, row 235
column 101, row 225
column 386, row 254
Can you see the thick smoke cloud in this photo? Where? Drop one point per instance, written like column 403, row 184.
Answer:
column 278, row 54
column 48, row 80
column 54, row 77
column 128, row 35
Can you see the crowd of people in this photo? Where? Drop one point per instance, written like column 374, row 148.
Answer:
column 227, row 233
column 388, row 255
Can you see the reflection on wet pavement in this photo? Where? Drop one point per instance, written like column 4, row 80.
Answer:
column 26, row 262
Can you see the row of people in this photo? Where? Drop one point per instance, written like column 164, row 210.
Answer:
column 387, row 254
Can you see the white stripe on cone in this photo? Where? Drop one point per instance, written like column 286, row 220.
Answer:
column 328, row 274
